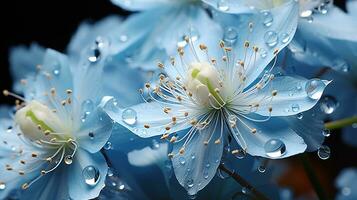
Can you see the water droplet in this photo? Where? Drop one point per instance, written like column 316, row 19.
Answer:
column 182, row 160
column 221, row 174
column 193, row 34
column 129, row 116
column 328, row 104
column 68, row 159
column 305, row 13
column 108, row 146
column 346, row 191
column 354, row 125
column 267, row 18
column 324, row 152
column 192, row 196
column 274, row 148
column 261, row 169
column 300, row 116
column 101, row 42
column 222, row 5
column 326, row 132
column 123, row 38
column 9, row 129
column 271, row 38
column 155, row 144
column 91, row 175
column 190, row 183
column 208, row 165
column 193, row 157
column 295, row 107
column 87, row 106
column 121, row 186
column 91, row 135
column 94, row 55
column 240, row 154
column 314, row 88
column 110, row 172
column 205, row 174
column 230, row 35
column 244, row 190
column 263, row 53
column 2, row 186
column 284, row 37
column 310, row 19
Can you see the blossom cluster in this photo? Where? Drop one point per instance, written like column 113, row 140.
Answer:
column 182, row 99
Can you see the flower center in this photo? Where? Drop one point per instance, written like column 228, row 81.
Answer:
column 204, row 83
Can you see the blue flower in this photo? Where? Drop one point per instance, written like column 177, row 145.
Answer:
column 154, row 33
column 204, row 97
column 325, row 35
column 52, row 146
column 346, row 184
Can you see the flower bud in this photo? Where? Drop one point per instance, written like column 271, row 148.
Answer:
column 36, row 119
column 203, row 80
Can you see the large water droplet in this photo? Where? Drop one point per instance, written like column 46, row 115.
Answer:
column 91, row 175
column 314, row 88
column 267, row 18
column 284, row 37
column 129, row 116
column 94, row 55
column 324, row 152
column 328, row 104
column 274, row 148
column 271, row 38
column 222, row 5
column 2, row 186
column 230, row 35
column 68, row 159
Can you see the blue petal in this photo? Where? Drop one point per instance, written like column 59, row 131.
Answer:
column 346, row 183
column 151, row 114
column 95, row 131
column 196, row 167
column 138, row 5
column 275, row 128
column 309, row 127
column 330, row 40
column 23, row 63
column 78, row 188
column 291, row 98
column 269, row 39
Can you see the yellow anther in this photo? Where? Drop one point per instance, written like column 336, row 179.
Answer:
column 182, row 151
column 173, row 139
column 254, row 130
column 274, row 92
column 218, row 141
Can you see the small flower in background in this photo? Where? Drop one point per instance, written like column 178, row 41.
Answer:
column 51, row 147
column 346, row 184
column 209, row 97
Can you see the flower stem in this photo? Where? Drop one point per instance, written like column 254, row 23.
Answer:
column 312, row 177
column 243, row 182
column 341, row 123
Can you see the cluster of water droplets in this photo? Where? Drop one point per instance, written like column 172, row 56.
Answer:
column 321, row 8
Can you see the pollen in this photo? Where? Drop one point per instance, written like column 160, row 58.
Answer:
column 5, row 93
column 274, row 92
column 218, row 141
column 182, row 151
column 254, row 130
column 25, row 186
column 146, row 126
column 173, row 139
column 160, row 65
column 164, row 136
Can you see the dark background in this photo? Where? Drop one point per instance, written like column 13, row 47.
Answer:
column 51, row 24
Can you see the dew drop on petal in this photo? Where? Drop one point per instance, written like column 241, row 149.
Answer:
column 91, row 175
column 284, row 37
column 129, row 116
column 123, row 38
column 274, row 148
column 192, row 196
column 155, row 144
column 205, row 174
column 324, row 152
column 222, row 5
column 326, row 132
column 263, row 53
column 314, row 88
column 2, row 186
column 221, row 174
column 190, row 183
column 271, row 38
column 261, row 169
column 68, row 159
column 87, row 107
column 305, row 13
column 295, row 107
column 91, row 135
column 94, row 55
column 101, row 42
column 244, row 190
column 267, row 18
column 230, row 35
column 328, row 104
column 182, row 160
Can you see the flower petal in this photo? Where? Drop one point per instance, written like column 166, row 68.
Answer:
column 274, row 129
column 149, row 119
column 196, row 167
column 268, row 36
column 294, row 95
column 78, row 188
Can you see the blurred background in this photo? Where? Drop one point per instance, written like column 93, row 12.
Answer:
column 51, row 24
